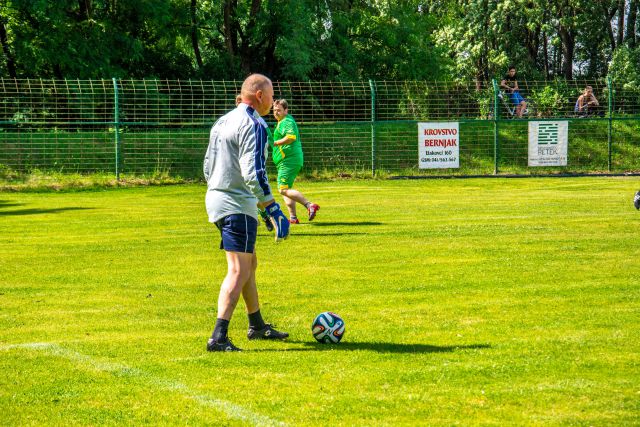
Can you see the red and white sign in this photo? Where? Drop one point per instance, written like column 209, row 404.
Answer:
column 438, row 145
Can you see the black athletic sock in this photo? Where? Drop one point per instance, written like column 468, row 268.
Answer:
column 220, row 331
column 255, row 320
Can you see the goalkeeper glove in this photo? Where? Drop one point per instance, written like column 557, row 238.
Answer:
column 266, row 219
column 279, row 221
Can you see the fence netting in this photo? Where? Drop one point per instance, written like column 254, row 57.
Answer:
column 150, row 126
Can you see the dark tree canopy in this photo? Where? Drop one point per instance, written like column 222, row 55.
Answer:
column 316, row 39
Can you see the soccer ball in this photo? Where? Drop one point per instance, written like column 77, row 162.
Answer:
column 328, row 328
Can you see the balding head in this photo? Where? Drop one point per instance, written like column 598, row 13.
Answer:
column 257, row 91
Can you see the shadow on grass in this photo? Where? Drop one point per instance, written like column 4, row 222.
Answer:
column 331, row 224
column 8, row 204
column 380, row 347
column 20, row 212
column 325, row 234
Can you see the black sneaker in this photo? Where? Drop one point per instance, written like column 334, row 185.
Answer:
column 266, row 333
column 221, row 346
column 636, row 200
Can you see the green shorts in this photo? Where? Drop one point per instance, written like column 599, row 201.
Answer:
column 287, row 174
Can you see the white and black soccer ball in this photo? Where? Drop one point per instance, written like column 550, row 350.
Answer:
column 328, row 328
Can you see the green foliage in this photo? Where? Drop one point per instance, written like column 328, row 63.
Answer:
column 625, row 68
column 286, row 39
column 485, row 100
column 393, row 42
column 548, row 102
column 110, row 39
column 299, row 40
column 625, row 74
column 542, row 38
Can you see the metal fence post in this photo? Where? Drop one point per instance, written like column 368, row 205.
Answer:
column 610, row 130
column 496, row 135
column 373, row 127
column 116, row 123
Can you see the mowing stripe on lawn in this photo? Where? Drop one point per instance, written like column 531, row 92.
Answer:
column 82, row 360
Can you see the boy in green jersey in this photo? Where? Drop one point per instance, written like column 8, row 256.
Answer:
column 288, row 158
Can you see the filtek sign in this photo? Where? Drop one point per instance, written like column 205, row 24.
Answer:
column 438, row 145
column 548, row 143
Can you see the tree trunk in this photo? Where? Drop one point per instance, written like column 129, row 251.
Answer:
column 554, row 59
column 85, row 9
column 609, row 14
column 533, row 45
column 194, row 34
column 546, row 54
column 247, row 56
column 568, row 47
column 620, row 22
column 630, row 37
column 230, row 26
column 269, row 54
column 483, row 75
column 479, row 66
column 11, row 63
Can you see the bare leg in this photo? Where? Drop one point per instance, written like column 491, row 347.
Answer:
column 250, row 290
column 295, row 196
column 521, row 107
column 239, row 272
column 291, row 205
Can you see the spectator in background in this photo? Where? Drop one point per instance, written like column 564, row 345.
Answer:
column 587, row 103
column 510, row 84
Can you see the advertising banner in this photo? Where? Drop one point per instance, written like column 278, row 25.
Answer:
column 438, row 145
column 548, row 143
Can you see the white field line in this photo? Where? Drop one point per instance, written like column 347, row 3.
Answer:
column 84, row 361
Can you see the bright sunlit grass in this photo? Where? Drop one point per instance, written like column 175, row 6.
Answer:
column 470, row 301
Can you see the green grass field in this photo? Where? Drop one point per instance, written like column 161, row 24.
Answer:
column 467, row 302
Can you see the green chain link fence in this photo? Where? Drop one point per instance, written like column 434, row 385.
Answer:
column 149, row 126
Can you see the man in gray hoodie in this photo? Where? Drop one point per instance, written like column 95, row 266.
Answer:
column 234, row 167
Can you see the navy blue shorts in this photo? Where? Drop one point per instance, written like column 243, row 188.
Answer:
column 516, row 98
column 238, row 233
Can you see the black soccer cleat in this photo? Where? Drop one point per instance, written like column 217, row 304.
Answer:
column 636, row 200
column 266, row 333
column 221, row 346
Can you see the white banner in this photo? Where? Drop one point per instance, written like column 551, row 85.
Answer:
column 438, row 145
column 548, row 143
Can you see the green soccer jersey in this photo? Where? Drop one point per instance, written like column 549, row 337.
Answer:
column 289, row 153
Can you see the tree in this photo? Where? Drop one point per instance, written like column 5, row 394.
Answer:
column 95, row 38
column 6, row 48
column 314, row 39
column 630, row 35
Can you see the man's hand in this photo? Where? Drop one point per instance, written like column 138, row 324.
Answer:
column 279, row 221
